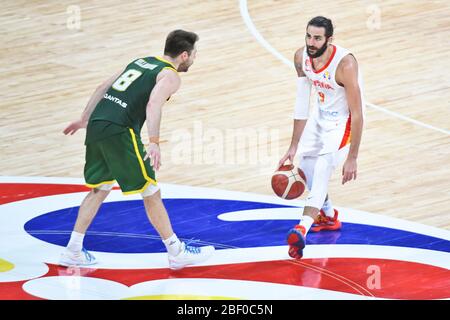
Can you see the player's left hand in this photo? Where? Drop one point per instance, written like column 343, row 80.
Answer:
column 154, row 154
column 74, row 127
column 349, row 170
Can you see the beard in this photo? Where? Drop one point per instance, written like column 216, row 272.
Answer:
column 184, row 67
column 319, row 51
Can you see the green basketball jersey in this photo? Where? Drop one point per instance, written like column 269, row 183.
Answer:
column 124, row 104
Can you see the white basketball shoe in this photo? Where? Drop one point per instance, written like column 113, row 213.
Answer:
column 82, row 258
column 190, row 255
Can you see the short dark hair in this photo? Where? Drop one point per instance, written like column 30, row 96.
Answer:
column 322, row 22
column 179, row 41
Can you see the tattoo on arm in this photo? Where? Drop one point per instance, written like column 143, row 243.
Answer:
column 298, row 62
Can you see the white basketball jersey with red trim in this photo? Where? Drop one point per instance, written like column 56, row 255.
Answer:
column 328, row 128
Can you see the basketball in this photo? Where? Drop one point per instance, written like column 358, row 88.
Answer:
column 289, row 182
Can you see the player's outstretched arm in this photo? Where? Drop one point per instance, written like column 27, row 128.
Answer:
column 167, row 84
column 74, row 126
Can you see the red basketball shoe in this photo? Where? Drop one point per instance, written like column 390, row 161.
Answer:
column 326, row 223
column 296, row 241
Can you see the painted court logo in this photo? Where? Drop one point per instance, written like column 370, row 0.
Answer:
column 371, row 257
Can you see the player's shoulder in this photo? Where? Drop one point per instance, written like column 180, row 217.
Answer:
column 169, row 73
column 170, row 78
column 347, row 69
column 298, row 61
column 347, row 56
column 348, row 62
column 298, row 56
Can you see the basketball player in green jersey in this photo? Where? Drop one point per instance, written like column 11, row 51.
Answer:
column 113, row 118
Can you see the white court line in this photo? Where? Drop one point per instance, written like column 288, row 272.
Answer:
column 400, row 116
column 248, row 21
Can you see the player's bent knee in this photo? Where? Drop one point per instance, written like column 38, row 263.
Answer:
column 105, row 187
column 150, row 190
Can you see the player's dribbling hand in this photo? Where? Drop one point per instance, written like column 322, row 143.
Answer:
column 349, row 170
column 290, row 154
column 74, row 127
column 154, row 154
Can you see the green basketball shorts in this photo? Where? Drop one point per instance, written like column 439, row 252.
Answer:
column 118, row 158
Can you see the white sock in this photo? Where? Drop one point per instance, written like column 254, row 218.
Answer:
column 306, row 222
column 328, row 208
column 76, row 242
column 173, row 245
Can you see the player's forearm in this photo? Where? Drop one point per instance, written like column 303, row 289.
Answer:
column 299, row 125
column 356, row 133
column 154, row 112
column 95, row 98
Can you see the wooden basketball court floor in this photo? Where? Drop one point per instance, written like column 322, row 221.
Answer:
column 227, row 127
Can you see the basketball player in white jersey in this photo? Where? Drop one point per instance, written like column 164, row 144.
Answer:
column 332, row 133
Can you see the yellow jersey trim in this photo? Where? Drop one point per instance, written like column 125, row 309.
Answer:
column 170, row 68
column 99, row 184
column 140, row 190
column 164, row 60
column 141, row 163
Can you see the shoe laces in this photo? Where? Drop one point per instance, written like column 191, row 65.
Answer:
column 88, row 256
column 191, row 249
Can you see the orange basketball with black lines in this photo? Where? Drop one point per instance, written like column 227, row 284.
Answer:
column 289, row 182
